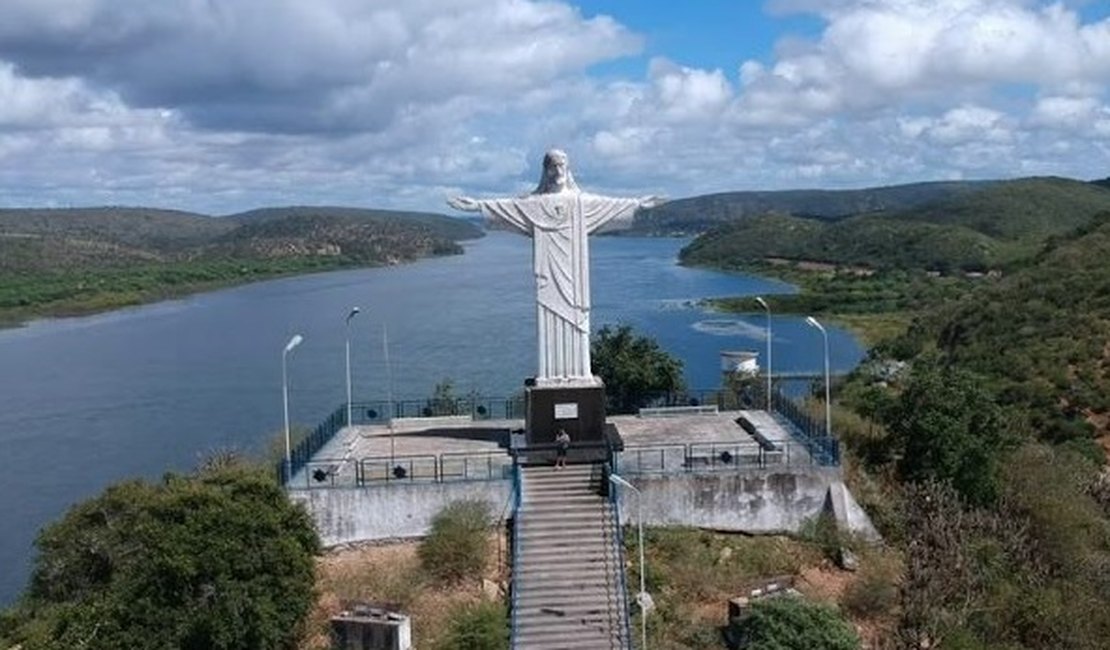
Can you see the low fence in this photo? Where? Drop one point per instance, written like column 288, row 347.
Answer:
column 302, row 453
column 427, row 468
column 728, row 456
column 806, row 430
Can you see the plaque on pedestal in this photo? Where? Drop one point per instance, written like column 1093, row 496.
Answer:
column 578, row 407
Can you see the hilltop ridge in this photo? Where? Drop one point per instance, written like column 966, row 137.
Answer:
column 69, row 261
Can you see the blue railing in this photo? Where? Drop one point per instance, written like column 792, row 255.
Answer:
column 618, row 543
column 514, row 588
column 303, row 451
column 807, row 430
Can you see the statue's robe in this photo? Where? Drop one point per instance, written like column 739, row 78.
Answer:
column 559, row 225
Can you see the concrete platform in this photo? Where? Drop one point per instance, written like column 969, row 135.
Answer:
column 436, row 436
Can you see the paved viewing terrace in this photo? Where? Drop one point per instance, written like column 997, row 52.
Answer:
column 460, row 448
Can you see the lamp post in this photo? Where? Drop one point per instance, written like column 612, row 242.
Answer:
column 354, row 312
column 642, row 597
column 767, row 307
column 828, row 403
column 293, row 342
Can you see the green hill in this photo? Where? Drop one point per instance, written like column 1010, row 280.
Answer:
column 155, row 231
column 700, row 213
column 993, row 226
column 1042, row 333
column 56, row 262
column 1025, row 209
column 867, row 241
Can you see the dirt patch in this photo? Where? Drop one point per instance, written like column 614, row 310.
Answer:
column 824, row 583
column 390, row 575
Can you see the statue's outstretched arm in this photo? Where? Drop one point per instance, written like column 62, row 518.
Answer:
column 464, row 203
column 651, row 201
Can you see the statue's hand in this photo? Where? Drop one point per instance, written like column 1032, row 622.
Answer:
column 464, row 203
column 652, row 201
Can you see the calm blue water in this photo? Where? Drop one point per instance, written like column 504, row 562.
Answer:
column 88, row 401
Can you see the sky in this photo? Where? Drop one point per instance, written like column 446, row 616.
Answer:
column 219, row 106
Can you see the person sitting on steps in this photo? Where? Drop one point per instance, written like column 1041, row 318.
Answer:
column 562, row 443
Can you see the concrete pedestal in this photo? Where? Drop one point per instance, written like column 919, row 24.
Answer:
column 580, row 409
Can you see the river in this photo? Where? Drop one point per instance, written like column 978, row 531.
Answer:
column 85, row 402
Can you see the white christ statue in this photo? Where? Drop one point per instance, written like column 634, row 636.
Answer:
column 559, row 217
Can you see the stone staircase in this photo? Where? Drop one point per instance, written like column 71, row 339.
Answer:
column 568, row 571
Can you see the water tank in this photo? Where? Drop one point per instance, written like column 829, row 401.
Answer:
column 361, row 626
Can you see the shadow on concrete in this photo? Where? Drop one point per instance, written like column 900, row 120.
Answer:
column 498, row 435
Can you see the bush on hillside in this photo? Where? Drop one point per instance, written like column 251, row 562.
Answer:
column 455, row 548
column 219, row 559
column 478, row 626
column 789, row 623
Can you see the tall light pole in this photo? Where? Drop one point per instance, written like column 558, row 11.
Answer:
column 354, row 312
column 642, row 598
column 767, row 307
column 828, row 403
column 293, row 342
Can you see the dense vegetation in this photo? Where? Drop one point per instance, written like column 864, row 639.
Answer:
column 73, row 261
column 633, row 367
column 217, row 559
column 795, row 624
column 990, row 228
column 700, row 213
column 977, row 432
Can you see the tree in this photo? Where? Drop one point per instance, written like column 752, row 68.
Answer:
column 790, row 623
column 949, row 428
column 634, row 368
column 477, row 626
column 218, row 559
column 457, row 544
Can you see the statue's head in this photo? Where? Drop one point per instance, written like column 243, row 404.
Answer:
column 556, row 174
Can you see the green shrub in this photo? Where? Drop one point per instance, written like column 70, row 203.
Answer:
column 456, row 546
column 478, row 626
column 788, row 623
column 220, row 559
column 872, row 594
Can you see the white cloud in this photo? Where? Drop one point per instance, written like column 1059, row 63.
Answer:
column 220, row 106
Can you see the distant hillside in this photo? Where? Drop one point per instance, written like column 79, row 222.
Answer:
column 82, row 260
column 160, row 231
column 449, row 227
column 1029, row 208
column 701, row 213
column 1043, row 333
column 990, row 227
column 1103, row 183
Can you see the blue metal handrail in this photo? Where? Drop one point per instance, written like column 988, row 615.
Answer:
column 618, row 542
column 515, row 582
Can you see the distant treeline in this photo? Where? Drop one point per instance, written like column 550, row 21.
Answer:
column 75, row 261
column 991, row 227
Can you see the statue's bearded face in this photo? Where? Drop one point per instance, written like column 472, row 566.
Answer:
column 556, row 168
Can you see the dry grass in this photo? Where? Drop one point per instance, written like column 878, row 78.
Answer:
column 391, row 574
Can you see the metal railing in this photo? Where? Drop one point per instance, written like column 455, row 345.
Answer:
column 514, row 588
column 323, row 473
column 303, row 451
column 730, row 456
column 806, row 429
column 618, row 543
column 477, row 408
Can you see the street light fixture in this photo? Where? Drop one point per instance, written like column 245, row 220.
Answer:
column 828, row 403
column 763, row 303
column 293, row 342
column 642, row 598
column 354, row 312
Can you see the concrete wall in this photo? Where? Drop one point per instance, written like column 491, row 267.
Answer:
column 345, row 515
column 756, row 501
